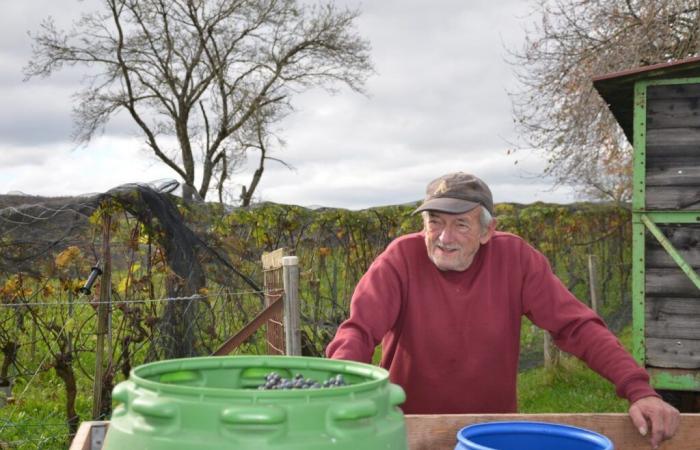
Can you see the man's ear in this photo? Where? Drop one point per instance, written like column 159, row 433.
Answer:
column 486, row 235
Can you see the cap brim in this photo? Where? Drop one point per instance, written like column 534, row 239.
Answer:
column 447, row 205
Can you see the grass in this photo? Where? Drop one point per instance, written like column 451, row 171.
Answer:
column 571, row 387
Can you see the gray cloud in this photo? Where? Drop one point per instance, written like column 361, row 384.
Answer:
column 438, row 103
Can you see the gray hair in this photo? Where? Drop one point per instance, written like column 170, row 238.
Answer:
column 485, row 219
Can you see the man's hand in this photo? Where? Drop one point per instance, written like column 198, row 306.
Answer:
column 654, row 413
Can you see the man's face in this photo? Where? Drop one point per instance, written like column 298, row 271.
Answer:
column 453, row 239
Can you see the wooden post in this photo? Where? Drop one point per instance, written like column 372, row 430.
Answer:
column 102, row 317
column 552, row 354
column 273, row 287
column 292, row 329
column 593, row 281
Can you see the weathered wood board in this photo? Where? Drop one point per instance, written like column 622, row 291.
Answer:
column 673, row 353
column 438, row 432
column 672, row 172
column 660, row 154
column 673, row 91
column 672, row 318
column 673, row 198
column 673, row 147
column 672, row 303
column 669, row 282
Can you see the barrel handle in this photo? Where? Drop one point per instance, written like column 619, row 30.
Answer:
column 253, row 415
column 154, row 408
column 360, row 409
column 120, row 393
column 396, row 394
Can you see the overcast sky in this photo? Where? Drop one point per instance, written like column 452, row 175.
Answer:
column 438, row 103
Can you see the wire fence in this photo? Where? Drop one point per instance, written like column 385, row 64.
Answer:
column 160, row 307
column 60, row 345
column 62, row 303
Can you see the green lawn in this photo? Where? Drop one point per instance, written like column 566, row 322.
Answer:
column 571, row 387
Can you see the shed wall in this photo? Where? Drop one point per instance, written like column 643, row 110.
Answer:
column 672, row 303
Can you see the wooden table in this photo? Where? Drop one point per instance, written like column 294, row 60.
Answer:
column 438, row 432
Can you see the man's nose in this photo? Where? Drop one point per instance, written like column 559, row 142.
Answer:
column 446, row 236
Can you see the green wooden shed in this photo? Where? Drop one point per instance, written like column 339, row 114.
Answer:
column 658, row 107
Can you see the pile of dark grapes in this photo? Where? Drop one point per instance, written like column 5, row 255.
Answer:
column 273, row 380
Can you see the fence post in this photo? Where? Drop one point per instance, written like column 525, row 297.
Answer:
column 292, row 331
column 593, row 281
column 552, row 355
column 273, row 287
column 102, row 318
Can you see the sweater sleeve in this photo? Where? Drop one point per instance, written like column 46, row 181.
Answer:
column 374, row 308
column 577, row 329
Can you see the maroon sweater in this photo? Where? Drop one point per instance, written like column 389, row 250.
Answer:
column 452, row 339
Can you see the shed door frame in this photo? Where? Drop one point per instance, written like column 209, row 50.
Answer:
column 642, row 220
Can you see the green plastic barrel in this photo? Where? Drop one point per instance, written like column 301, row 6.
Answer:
column 215, row 403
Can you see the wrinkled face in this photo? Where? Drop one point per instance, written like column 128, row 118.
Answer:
column 453, row 239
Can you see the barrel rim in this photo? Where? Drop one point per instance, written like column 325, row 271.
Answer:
column 376, row 376
column 530, row 427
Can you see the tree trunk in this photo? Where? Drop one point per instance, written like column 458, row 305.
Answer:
column 65, row 372
column 9, row 351
column 247, row 193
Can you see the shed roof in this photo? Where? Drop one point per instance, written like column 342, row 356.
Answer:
column 617, row 88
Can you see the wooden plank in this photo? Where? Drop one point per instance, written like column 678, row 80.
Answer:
column 681, row 161
column 273, row 260
column 684, row 238
column 438, row 432
column 659, row 258
column 669, row 283
column 674, row 136
column 660, row 308
column 673, row 198
column 234, row 341
column 674, row 353
column 672, row 318
column 672, row 173
column 274, row 286
column 673, row 113
column 661, row 372
column 81, row 441
column 673, row 91
column 664, row 150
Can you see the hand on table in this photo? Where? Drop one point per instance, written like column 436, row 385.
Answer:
column 655, row 415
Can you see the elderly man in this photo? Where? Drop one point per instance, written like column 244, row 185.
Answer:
column 446, row 304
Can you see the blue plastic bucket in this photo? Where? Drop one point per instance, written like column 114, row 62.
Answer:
column 529, row 436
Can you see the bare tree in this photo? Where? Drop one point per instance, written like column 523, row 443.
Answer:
column 254, row 140
column 557, row 110
column 200, row 70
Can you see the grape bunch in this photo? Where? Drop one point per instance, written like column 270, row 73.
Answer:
column 273, row 380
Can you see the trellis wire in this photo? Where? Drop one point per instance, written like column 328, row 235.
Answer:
column 152, row 300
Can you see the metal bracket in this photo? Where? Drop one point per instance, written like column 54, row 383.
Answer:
column 97, row 436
